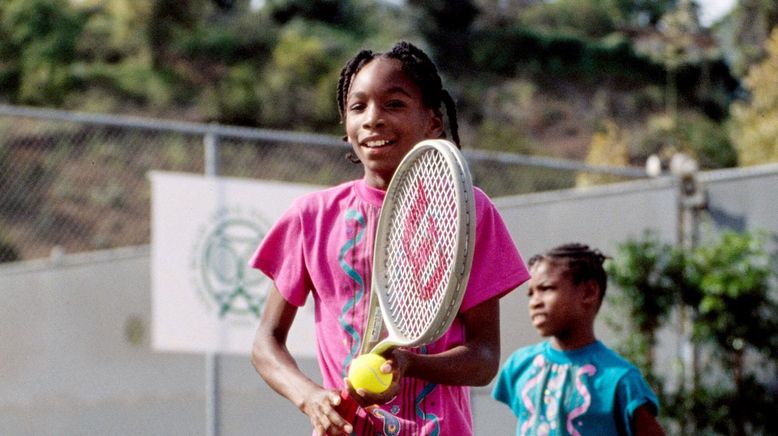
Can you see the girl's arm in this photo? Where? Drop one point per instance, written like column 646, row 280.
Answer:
column 473, row 363
column 278, row 368
column 644, row 423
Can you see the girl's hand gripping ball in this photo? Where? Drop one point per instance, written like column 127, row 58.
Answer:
column 365, row 373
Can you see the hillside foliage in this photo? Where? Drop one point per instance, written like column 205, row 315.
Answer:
column 755, row 122
column 578, row 64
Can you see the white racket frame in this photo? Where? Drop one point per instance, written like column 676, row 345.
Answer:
column 381, row 320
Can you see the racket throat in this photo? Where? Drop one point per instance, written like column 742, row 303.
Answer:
column 381, row 347
column 373, row 331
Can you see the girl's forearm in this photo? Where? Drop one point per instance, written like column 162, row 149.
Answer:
column 278, row 368
column 463, row 365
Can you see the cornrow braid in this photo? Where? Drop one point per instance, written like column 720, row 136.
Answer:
column 583, row 263
column 347, row 74
column 421, row 70
column 451, row 112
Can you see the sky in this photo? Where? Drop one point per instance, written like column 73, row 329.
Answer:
column 712, row 10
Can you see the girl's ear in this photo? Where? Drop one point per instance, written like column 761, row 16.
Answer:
column 435, row 126
column 591, row 292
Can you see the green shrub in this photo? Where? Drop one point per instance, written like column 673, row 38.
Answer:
column 726, row 286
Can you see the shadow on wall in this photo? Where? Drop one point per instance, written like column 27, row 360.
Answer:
column 725, row 219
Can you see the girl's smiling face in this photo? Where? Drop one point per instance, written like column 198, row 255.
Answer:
column 385, row 118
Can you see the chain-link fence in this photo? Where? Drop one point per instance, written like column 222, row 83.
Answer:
column 76, row 182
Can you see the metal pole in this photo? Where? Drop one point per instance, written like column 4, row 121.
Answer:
column 683, row 343
column 691, row 199
column 211, row 144
column 211, row 393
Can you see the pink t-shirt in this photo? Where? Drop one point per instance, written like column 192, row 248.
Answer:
column 323, row 246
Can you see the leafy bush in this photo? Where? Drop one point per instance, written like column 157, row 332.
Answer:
column 647, row 272
column 691, row 133
column 727, row 286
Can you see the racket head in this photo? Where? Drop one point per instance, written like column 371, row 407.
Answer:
column 424, row 245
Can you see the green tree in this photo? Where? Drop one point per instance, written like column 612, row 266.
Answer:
column 706, row 140
column 589, row 18
column 168, row 20
column 446, row 26
column 643, row 12
column 334, row 12
column 298, row 84
column 754, row 127
column 40, row 38
column 114, row 30
column 609, row 147
column 748, row 28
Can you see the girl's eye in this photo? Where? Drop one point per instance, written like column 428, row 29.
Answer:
column 395, row 103
column 355, row 107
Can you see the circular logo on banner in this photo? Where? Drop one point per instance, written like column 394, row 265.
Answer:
column 226, row 283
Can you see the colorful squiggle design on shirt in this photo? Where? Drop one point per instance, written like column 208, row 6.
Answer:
column 391, row 425
column 540, row 364
column 357, row 220
column 548, row 386
column 431, row 417
column 552, row 401
column 589, row 370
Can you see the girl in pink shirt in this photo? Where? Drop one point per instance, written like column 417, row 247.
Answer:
column 322, row 246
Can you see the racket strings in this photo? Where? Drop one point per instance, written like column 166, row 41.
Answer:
column 421, row 247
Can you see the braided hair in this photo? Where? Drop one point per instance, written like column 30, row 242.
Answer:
column 419, row 68
column 582, row 262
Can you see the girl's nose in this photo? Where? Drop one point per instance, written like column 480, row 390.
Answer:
column 374, row 117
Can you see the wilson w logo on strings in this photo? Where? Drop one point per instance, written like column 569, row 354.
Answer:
column 424, row 244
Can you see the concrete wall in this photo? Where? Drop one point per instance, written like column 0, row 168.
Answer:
column 75, row 357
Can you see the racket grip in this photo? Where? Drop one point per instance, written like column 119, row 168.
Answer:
column 347, row 407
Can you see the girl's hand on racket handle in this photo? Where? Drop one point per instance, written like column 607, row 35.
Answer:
column 321, row 407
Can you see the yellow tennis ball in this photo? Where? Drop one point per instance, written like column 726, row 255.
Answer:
column 365, row 373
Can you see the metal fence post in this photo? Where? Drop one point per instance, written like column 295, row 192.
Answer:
column 211, row 164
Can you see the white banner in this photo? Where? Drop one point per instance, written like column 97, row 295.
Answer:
column 205, row 297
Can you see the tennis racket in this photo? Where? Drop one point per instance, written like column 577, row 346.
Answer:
column 423, row 252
